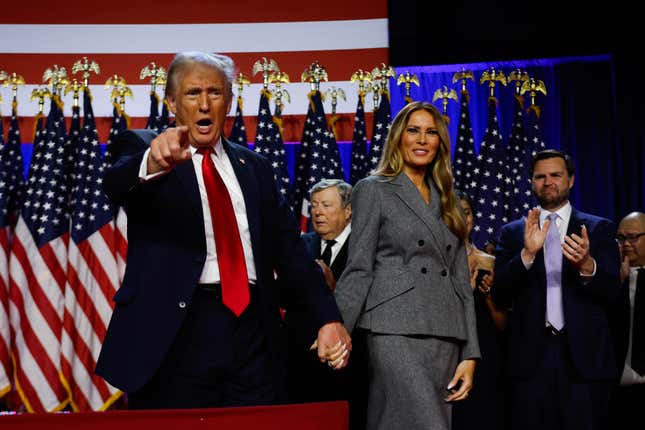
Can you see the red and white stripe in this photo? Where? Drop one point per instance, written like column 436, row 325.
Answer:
column 5, row 333
column 37, row 279
column 92, row 280
column 343, row 36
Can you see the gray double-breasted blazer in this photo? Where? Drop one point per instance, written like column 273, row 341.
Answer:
column 406, row 272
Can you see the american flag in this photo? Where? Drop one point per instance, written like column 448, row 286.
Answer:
column 238, row 131
column 268, row 142
column 465, row 160
column 119, row 124
column 490, row 179
column 343, row 36
column 382, row 117
column 92, row 274
column 534, row 137
column 154, row 119
column 11, row 194
column 311, row 159
column 37, row 271
column 332, row 167
column 520, row 192
column 359, row 145
column 120, row 121
column 279, row 159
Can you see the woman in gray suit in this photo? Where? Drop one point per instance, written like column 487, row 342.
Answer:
column 406, row 281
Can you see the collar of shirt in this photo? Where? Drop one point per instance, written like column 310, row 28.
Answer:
column 218, row 149
column 340, row 241
column 562, row 222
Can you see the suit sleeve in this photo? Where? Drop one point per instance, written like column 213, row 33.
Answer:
column 605, row 285
column 354, row 284
column 511, row 276
column 123, row 176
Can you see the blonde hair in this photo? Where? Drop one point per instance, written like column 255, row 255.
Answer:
column 391, row 163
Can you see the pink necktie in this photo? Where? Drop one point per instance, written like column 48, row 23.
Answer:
column 553, row 266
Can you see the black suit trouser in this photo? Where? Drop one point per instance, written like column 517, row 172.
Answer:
column 216, row 360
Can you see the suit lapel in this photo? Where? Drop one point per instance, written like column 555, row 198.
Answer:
column 186, row 174
column 429, row 214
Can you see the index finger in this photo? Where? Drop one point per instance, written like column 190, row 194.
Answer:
column 182, row 134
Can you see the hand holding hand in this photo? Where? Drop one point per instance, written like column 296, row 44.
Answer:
column 334, row 345
column 168, row 149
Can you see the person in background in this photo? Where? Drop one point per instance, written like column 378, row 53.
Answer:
column 309, row 380
column 485, row 406
column 629, row 394
column 197, row 318
column 406, row 281
column 559, row 269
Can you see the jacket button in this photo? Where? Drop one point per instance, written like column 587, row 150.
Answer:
column 182, row 305
column 424, row 270
column 444, row 272
column 421, row 243
column 448, row 248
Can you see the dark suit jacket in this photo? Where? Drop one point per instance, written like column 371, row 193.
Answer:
column 312, row 242
column 587, row 308
column 167, row 251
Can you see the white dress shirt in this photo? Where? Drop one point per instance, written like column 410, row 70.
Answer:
column 630, row 376
column 210, row 272
column 340, row 241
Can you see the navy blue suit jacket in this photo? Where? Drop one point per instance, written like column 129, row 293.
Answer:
column 167, row 251
column 587, row 308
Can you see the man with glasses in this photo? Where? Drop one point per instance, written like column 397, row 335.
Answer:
column 629, row 396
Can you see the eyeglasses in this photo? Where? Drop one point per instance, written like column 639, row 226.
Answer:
column 631, row 237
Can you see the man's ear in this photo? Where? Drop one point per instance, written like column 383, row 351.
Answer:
column 571, row 181
column 172, row 104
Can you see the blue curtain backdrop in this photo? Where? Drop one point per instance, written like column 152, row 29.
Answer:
column 586, row 112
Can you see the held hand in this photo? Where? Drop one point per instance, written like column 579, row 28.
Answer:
column 168, row 149
column 328, row 274
column 576, row 249
column 462, row 382
column 334, row 345
column 534, row 237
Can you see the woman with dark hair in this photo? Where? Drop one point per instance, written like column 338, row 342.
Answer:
column 484, row 408
column 406, row 281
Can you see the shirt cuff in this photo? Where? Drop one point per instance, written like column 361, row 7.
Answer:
column 143, row 169
column 527, row 263
column 587, row 278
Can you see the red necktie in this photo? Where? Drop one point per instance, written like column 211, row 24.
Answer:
column 230, row 254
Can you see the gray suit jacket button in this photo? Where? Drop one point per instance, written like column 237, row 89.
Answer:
column 444, row 272
column 448, row 248
column 421, row 243
column 182, row 305
column 424, row 270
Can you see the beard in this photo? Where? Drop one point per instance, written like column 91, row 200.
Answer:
column 552, row 200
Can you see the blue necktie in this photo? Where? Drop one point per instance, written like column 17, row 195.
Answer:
column 553, row 266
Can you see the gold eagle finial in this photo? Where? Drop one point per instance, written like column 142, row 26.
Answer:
column 265, row 66
column 407, row 79
column 156, row 73
column 314, row 74
column 86, row 66
column 492, row 76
